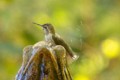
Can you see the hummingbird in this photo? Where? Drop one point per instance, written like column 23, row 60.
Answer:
column 52, row 38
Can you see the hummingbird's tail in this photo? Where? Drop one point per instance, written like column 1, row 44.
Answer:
column 72, row 58
column 75, row 57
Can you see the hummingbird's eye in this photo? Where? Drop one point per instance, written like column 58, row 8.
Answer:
column 45, row 27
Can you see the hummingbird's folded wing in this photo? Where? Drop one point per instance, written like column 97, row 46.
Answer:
column 59, row 41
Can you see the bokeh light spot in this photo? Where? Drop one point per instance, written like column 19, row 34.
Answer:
column 61, row 17
column 110, row 48
column 81, row 77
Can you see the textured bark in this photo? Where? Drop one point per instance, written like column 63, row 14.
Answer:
column 41, row 62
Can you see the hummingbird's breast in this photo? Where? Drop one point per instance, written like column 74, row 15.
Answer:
column 49, row 40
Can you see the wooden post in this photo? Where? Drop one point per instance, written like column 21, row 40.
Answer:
column 41, row 62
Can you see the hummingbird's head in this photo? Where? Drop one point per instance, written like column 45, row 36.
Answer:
column 48, row 28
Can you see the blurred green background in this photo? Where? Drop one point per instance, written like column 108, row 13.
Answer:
column 90, row 27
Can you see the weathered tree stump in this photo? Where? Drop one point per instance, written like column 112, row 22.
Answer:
column 41, row 62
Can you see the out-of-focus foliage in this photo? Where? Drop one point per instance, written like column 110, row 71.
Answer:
column 90, row 27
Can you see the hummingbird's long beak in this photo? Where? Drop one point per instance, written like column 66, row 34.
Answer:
column 38, row 24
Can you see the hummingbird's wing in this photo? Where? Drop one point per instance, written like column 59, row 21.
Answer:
column 59, row 41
